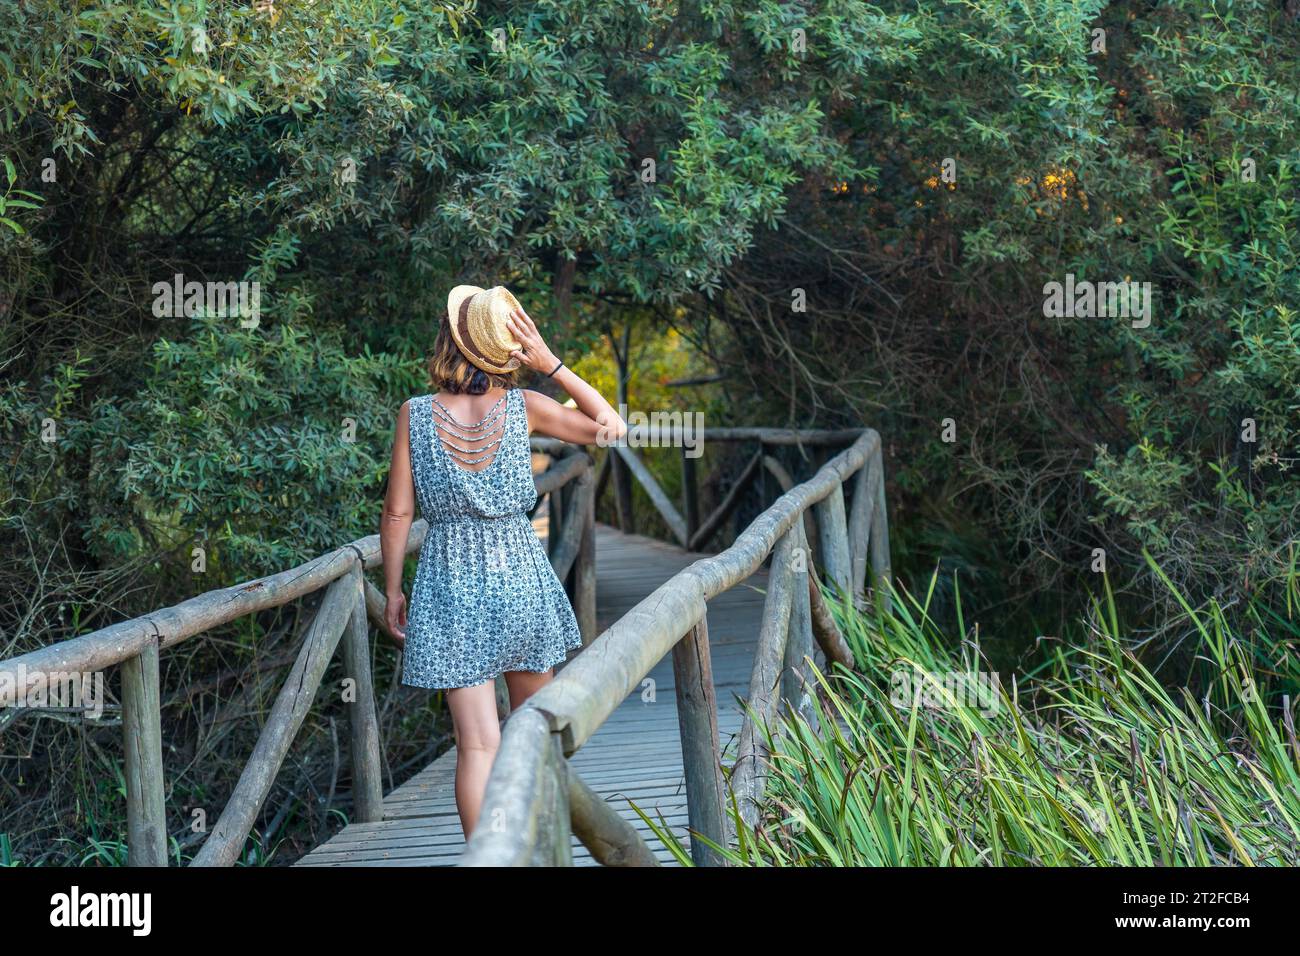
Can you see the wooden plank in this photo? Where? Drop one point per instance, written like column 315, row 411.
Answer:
column 710, row 526
column 566, row 536
column 658, row 436
column 561, row 473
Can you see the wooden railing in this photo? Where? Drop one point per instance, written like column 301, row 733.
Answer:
column 535, row 800
column 567, row 486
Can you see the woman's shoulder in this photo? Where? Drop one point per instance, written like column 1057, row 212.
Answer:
column 404, row 410
column 532, row 396
column 532, row 399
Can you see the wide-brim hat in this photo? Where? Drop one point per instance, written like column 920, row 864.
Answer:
column 478, row 326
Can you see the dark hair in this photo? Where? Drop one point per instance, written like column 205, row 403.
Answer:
column 450, row 371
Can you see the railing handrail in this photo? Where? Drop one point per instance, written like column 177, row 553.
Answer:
column 675, row 436
column 530, row 787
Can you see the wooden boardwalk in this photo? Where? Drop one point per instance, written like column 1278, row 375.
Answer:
column 635, row 757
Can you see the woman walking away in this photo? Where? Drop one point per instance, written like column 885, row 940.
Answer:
column 485, row 600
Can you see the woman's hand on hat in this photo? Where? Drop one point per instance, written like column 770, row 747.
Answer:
column 532, row 351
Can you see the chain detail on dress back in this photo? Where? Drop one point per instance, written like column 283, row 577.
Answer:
column 490, row 426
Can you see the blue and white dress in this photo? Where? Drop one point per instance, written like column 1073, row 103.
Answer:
column 485, row 598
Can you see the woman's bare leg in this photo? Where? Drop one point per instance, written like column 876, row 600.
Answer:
column 478, row 736
column 523, row 684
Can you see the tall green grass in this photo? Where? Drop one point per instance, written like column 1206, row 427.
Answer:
column 1090, row 761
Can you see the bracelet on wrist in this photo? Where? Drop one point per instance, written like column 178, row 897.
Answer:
column 552, row 372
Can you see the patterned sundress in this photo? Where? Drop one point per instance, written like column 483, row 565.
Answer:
column 485, row 599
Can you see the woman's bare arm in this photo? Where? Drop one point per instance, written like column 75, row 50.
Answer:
column 548, row 418
column 594, row 421
column 395, row 525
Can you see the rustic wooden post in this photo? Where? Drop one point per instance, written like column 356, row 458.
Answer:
column 747, row 777
column 833, row 534
column 797, row 686
column 622, row 492
column 690, row 493
column 880, row 541
column 584, row 566
column 146, row 818
column 786, row 482
column 367, row 784
column 556, row 847
column 676, row 523
column 564, row 550
column 814, row 539
column 602, row 473
column 697, row 718
column 622, row 476
column 860, row 517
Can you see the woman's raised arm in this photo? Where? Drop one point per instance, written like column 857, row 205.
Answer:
column 594, row 421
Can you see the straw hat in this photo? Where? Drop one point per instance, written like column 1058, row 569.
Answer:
column 478, row 326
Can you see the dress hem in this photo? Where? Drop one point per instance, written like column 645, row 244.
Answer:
column 496, row 674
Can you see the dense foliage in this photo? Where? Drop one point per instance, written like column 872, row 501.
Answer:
column 1025, row 441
